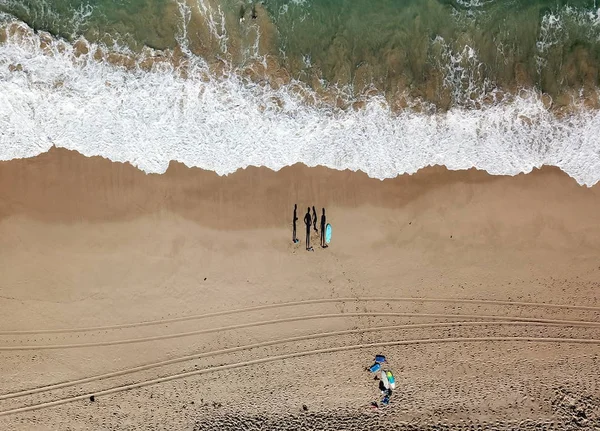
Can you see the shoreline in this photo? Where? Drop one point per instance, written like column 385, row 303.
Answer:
column 221, row 119
column 63, row 185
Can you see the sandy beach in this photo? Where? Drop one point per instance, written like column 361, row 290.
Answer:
column 180, row 302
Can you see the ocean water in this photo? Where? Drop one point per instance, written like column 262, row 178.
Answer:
column 382, row 86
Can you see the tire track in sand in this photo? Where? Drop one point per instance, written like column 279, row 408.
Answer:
column 583, row 323
column 298, row 303
column 180, row 359
column 291, row 356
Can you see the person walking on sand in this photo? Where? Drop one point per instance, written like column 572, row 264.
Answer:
column 323, row 224
column 308, row 223
column 294, row 220
column 315, row 219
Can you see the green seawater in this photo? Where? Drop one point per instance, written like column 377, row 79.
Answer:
column 444, row 51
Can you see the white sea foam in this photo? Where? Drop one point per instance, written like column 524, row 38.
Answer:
column 215, row 21
column 463, row 74
column 558, row 25
column 151, row 118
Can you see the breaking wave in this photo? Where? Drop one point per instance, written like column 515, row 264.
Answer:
column 54, row 93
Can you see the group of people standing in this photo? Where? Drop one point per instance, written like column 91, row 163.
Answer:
column 310, row 220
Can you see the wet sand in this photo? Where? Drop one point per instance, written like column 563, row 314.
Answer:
column 136, row 262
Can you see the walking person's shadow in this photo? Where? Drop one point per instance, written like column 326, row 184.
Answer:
column 294, row 220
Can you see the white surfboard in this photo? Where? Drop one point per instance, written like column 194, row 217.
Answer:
column 384, row 380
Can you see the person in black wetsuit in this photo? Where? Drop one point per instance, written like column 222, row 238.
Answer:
column 294, row 220
column 315, row 219
column 308, row 223
column 323, row 224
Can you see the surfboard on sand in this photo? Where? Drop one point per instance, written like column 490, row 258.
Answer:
column 327, row 233
column 391, row 379
column 384, row 380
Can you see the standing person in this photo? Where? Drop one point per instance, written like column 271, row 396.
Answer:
column 315, row 220
column 308, row 223
column 294, row 220
column 323, row 224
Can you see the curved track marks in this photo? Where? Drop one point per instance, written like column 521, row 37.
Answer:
column 295, row 355
column 305, row 302
column 583, row 323
column 264, row 344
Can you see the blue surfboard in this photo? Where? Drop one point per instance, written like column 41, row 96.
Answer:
column 328, row 233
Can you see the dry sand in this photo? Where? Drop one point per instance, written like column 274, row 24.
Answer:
column 135, row 262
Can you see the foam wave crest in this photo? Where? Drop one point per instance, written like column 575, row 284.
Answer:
column 51, row 94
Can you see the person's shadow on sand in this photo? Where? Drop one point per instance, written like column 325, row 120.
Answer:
column 323, row 226
column 308, row 223
column 294, row 220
